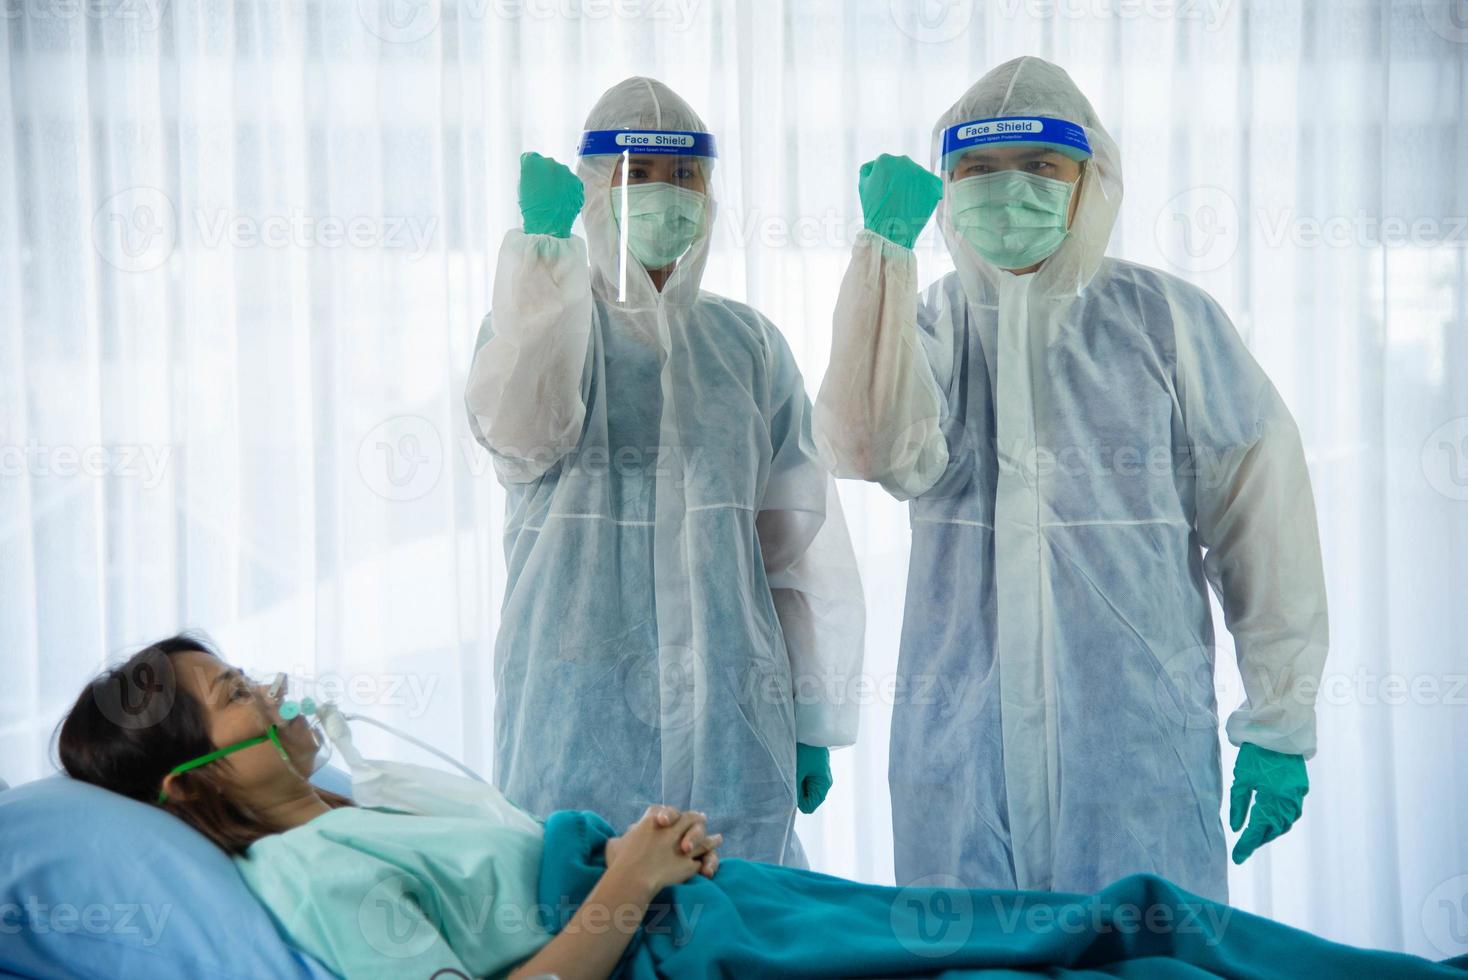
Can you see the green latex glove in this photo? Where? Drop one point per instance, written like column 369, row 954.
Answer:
column 550, row 196
column 812, row 776
column 897, row 197
column 1281, row 785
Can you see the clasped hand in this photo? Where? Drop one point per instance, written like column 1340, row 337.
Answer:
column 666, row 847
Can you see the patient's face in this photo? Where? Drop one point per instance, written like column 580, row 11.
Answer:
column 235, row 709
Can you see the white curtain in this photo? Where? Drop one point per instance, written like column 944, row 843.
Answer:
column 244, row 247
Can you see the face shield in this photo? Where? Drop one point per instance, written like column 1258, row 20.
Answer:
column 292, row 730
column 659, row 187
column 1010, row 183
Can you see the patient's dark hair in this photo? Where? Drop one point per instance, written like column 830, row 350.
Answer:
column 134, row 722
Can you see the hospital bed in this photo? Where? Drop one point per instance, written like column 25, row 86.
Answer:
column 94, row 885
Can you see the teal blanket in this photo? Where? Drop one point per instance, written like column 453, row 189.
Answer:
column 762, row 920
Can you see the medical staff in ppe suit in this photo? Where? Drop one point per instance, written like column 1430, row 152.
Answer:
column 1087, row 445
column 682, row 613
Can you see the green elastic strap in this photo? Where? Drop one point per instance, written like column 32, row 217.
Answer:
column 203, row 760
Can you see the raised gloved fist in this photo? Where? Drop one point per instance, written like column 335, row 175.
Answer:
column 550, row 196
column 898, row 196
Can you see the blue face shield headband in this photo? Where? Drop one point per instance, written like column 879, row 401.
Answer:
column 1059, row 135
column 614, row 142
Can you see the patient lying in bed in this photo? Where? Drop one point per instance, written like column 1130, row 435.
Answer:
column 375, row 892
column 369, row 892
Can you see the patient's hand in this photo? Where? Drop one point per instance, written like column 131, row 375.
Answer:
column 662, row 826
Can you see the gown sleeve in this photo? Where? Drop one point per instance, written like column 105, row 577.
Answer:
column 810, row 565
column 878, row 414
column 1255, row 515
column 527, row 387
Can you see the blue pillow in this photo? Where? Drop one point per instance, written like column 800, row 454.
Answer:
column 93, row 884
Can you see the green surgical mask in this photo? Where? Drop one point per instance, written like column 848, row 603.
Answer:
column 662, row 221
column 1011, row 218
